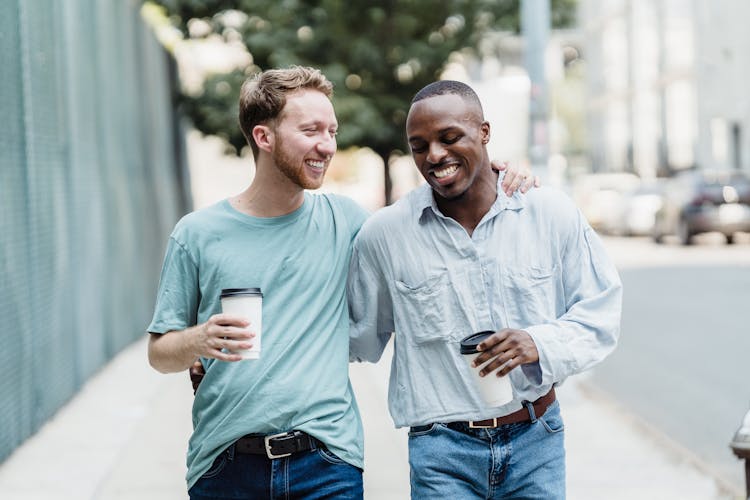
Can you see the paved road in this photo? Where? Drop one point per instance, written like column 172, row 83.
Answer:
column 683, row 363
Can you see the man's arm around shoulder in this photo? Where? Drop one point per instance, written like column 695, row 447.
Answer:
column 370, row 308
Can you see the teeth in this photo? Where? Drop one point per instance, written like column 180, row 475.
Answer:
column 316, row 164
column 446, row 171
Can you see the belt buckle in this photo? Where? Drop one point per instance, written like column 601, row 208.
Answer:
column 266, row 441
column 473, row 425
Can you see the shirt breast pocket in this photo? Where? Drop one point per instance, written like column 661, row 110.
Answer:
column 429, row 311
column 533, row 294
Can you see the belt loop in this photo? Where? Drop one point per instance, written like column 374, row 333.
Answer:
column 314, row 443
column 230, row 452
column 530, row 408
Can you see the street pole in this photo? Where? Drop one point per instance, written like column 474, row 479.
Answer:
column 535, row 25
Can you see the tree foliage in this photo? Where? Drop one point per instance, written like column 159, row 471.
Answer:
column 377, row 53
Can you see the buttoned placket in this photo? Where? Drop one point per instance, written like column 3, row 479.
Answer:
column 477, row 283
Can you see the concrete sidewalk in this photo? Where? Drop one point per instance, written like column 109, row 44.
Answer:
column 124, row 436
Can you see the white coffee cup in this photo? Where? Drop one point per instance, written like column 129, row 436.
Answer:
column 495, row 391
column 248, row 303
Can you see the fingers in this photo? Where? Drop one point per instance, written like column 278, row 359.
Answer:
column 492, row 346
column 224, row 345
column 196, row 375
column 499, row 356
column 228, row 320
column 226, row 356
column 234, row 327
column 499, row 166
column 530, row 182
column 505, row 350
column 226, row 351
column 513, row 180
column 519, row 182
column 514, row 183
column 517, row 178
column 221, row 335
column 197, row 368
column 231, row 332
column 501, row 365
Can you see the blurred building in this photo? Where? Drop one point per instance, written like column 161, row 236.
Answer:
column 666, row 84
column 498, row 74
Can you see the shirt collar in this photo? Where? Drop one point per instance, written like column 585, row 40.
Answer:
column 424, row 201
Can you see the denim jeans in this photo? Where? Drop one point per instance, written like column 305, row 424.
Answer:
column 310, row 475
column 514, row 461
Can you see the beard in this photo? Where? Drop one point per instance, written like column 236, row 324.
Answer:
column 293, row 168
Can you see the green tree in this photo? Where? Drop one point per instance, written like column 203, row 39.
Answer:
column 377, row 53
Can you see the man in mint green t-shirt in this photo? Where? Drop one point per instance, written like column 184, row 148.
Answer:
column 295, row 247
column 286, row 424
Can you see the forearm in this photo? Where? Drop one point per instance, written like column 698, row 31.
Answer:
column 173, row 351
column 588, row 327
column 578, row 340
column 370, row 308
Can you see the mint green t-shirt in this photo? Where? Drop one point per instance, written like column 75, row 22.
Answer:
column 300, row 262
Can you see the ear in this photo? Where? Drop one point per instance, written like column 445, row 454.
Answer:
column 484, row 130
column 263, row 137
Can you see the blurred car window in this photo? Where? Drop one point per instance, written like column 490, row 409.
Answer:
column 600, row 196
column 699, row 201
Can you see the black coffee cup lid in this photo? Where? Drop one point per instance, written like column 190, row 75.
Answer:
column 469, row 344
column 233, row 292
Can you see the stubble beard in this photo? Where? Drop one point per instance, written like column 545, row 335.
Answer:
column 293, row 169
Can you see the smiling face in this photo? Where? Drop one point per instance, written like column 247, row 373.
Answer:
column 447, row 137
column 305, row 138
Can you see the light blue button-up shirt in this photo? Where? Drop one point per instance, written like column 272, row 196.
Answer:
column 532, row 263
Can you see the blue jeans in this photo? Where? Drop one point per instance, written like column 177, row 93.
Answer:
column 310, row 475
column 514, row 461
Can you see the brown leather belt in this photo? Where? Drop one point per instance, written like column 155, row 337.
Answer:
column 522, row 415
column 277, row 445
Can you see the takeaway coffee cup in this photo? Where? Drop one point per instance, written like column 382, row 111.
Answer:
column 495, row 391
column 248, row 303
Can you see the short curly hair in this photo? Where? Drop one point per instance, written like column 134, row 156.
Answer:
column 448, row 87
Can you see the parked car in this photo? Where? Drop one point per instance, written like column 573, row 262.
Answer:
column 699, row 201
column 600, row 196
column 635, row 215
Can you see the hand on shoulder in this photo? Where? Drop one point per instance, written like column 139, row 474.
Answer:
column 517, row 177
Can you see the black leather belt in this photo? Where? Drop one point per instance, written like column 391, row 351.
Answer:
column 277, row 445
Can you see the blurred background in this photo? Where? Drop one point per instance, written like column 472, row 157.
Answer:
column 120, row 116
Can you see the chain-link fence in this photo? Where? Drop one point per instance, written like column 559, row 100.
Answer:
column 92, row 179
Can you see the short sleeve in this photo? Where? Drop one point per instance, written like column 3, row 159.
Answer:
column 178, row 295
column 354, row 213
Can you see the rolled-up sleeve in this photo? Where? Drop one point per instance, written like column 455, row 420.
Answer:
column 370, row 308
column 588, row 329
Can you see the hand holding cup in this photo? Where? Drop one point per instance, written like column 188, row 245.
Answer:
column 507, row 349
column 222, row 335
column 494, row 391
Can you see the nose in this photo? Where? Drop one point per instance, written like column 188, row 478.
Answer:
column 327, row 145
column 435, row 153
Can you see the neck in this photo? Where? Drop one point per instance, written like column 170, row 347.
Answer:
column 469, row 208
column 271, row 194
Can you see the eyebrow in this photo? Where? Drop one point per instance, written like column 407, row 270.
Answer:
column 316, row 123
column 440, row 132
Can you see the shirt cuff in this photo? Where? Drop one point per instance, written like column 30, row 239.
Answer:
column 556, row 360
